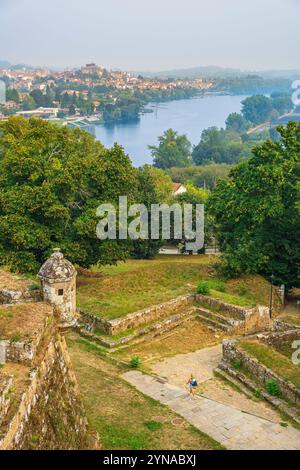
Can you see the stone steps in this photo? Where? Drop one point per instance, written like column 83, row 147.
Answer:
column 215, row 316
column 166, row 326
column 213, row 319
column 214, row 324
column 146, row 333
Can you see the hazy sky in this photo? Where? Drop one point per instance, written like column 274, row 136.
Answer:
column 151, row 34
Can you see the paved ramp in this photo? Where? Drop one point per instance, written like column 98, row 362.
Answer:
column 231, row 427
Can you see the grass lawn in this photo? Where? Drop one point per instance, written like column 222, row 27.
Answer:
column 123, row 417
column 272, row 359
column 233, row 299
column 138, row 284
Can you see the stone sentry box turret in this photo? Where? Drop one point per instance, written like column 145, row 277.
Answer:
column 58, row 278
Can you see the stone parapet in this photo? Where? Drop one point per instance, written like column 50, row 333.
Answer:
column 232, row 353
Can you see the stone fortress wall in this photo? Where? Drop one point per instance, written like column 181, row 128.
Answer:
column 243, row 320
column 132, row 320
column 233, row 354
column 49, row 414
column 44, row 410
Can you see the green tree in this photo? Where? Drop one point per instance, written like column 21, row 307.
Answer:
column 219, row 146
column 154, row 187
column 39, row 98
column 126, row 107
column 66, row 100
column 28, row 103
column 282, row 102
column 50, row 96
column 205, row 176
column 210, row 175
column 12, row 95
column 173, row 150
column 72, row 110
column 237, row 122
column 192, row 196
column 52, row 179
column 256, row 212
column 257, row 109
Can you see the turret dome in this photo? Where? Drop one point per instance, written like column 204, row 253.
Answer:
column 57, row 268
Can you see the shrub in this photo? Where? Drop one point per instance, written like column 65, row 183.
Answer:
column 153, row 425
column 203, row 288
column 272, row 388
column 15, row 338
column 135, row 362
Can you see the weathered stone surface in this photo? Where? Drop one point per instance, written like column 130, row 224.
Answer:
column 235, row 311
column 22, row 328
column 45, row 411
column 243, row 320
column 50, row 414
column 140, row 317
column 6, row 383
column 257, row 319
column 57, row 268
column 15, row 289
column 279, row 297
column 58, row 277
column 232, row 353
column 144, row 334
column 280, row 325
column 2, row 352
column 10, row 296
column 281, row 339
column 250, row 387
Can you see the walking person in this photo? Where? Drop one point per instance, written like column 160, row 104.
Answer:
column 192, row 386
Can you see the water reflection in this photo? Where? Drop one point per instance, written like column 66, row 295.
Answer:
column 189, row 117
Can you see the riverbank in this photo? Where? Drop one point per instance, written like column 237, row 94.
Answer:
column 281, row 121
column 147, row 108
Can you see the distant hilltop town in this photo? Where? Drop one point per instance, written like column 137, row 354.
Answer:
column 89, row 91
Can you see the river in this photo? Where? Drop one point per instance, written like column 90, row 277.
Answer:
column 190, row 117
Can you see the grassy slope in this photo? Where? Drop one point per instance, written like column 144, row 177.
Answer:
column 124, row 417
column 137, row 284
column 272, row 359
